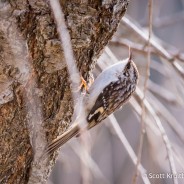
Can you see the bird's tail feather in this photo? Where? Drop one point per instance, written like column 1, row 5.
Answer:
column 73, row 131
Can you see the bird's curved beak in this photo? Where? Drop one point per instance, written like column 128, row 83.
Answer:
column 130, row 55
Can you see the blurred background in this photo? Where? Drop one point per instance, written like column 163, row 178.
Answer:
column 112, row 156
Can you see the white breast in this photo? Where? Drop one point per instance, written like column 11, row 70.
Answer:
column 107, row 76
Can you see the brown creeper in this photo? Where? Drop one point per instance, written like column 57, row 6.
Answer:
column 111, row 89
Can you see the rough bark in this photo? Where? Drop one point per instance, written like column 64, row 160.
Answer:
column 35, row 98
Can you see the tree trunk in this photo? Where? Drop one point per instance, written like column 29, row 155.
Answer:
column 35, row 99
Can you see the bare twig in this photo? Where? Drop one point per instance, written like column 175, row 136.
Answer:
column 89, row 162
column 143, row 129
column 162, row 111
column 163, row 134
column 137, row 47
column 155, row 45
column 74, row 74
column 175, row 53
column 162, row 92
column 145, row 36
column 67, row 47
column 127, row 146
column 149, row 108
column 136, row 106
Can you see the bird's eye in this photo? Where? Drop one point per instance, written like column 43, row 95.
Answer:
column 126, row 74
column 128, row 66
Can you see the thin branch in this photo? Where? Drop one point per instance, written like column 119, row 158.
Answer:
column 175, row 53
column 137, row 47
column 155, row 45
column 117, row 128
column 163, row 134
column 89, row 162
column 145, row 36
column 162, row 111
column 136, row 106
column 143, row 129
column 149, row 108
column 67, row 47
column 163, row 93
column 127, row 146
column 73, row 74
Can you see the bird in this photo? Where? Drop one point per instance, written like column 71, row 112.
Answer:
column 109, row 91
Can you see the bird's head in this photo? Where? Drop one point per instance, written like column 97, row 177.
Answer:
column 130, row 70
